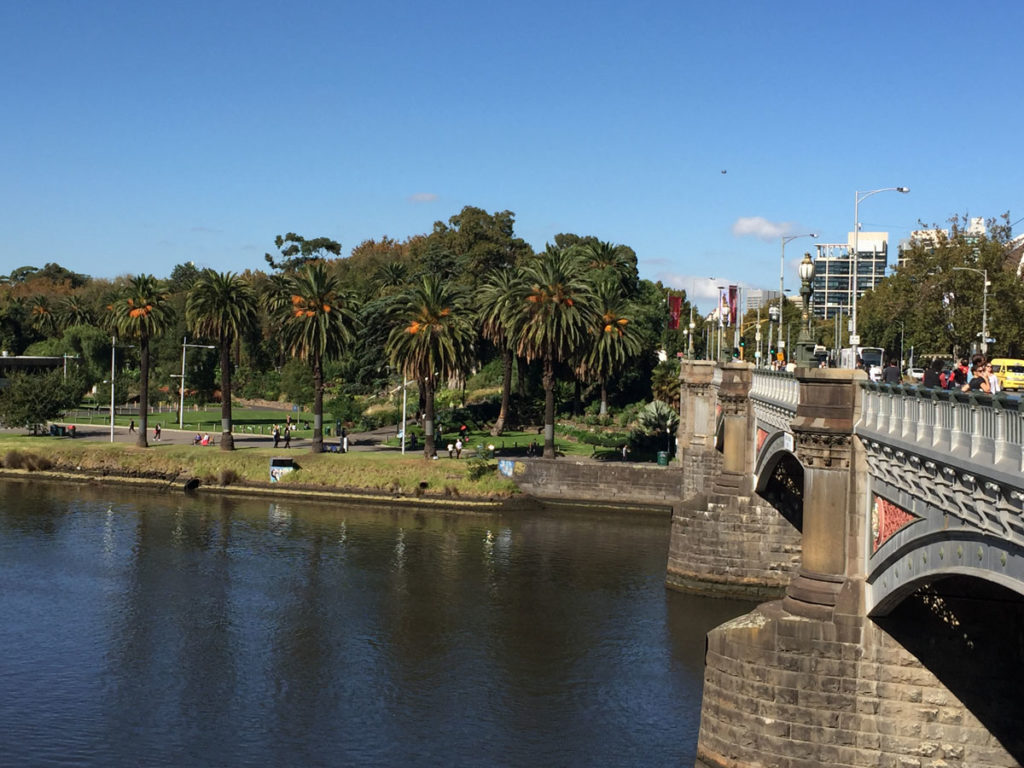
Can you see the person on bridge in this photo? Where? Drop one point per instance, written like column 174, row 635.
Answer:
column 933, row 375
column 891, row 374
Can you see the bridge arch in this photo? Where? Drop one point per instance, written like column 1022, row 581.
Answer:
column 780, row 479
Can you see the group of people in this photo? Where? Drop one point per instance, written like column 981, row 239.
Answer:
column 287, row 435
column 975, row 375
column 203, row 439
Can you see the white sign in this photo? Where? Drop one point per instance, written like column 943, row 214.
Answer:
column 855, row 340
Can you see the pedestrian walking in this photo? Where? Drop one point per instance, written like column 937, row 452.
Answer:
column 156, row 432
column 458, row 448
column 277, row 435
column 131, row 426
column 287, row 438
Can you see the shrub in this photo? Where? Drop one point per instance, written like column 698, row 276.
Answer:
column 227, row 477
column 14, row 460
column 479, row 467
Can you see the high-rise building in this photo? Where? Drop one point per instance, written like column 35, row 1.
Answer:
column 833, row 267
column 760, row 298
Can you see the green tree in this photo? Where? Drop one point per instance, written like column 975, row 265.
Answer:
column 141, row 310
column 614, row 338
column 432, row 342
column 35, row 398
column 296, row 251
column 551, row 317
column 222, row 307
column 495, row 300
column 316, row 324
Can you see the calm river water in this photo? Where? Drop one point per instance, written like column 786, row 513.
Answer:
column 163, row 630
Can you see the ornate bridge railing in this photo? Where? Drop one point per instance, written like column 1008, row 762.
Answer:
column 774, row 396
column 945, row 486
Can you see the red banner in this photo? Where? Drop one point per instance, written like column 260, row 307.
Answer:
column 675, row 305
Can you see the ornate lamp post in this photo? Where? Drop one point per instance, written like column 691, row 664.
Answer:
column 984, row 303
column 805, row 343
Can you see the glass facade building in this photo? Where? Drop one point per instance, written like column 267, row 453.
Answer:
column 833, row 268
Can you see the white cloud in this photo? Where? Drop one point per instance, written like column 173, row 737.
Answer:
column 761, row 228
column 423, row 197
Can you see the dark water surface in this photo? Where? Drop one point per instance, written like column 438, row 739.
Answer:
column 162, row 630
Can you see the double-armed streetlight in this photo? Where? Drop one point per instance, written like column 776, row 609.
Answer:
column 181, row 404
column 984, row 303
column 782, row 280
column 858, row 198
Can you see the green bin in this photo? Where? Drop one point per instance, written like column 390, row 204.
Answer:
column 662, row 458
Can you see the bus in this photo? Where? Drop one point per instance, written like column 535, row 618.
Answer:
column 872, row 357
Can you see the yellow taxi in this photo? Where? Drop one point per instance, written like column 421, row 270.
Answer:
column 1009, row 372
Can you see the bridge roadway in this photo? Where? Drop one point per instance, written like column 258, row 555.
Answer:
column 898, row 639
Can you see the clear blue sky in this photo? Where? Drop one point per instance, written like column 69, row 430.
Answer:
column 135, row 136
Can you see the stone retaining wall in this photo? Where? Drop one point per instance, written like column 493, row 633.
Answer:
column 731, row 547
column 622, row 484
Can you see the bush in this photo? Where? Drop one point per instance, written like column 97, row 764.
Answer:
column 479, row 468
column 14, row 460
column 227, row 477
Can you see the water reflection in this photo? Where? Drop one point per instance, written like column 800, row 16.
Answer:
column 182, row 631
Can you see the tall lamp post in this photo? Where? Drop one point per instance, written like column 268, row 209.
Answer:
column 984, row 304
column 782, row 279
column 858, row 198
column 181, row 405
column 804, row 342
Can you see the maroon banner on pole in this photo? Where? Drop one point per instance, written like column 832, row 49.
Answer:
column 675, row 305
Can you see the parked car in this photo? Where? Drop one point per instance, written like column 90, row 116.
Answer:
column 915, row 373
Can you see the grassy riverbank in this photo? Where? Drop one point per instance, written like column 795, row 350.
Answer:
column 378, row 472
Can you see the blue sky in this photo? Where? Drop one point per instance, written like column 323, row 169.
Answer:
column 136, row 136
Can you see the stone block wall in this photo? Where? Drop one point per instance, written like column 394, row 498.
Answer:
column 785, row 691
column 731, row 547
column 622, row 484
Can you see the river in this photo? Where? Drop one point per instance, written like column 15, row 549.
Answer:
column 166, row 630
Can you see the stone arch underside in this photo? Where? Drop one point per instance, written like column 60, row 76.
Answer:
column 969, row 633
column 780, row 479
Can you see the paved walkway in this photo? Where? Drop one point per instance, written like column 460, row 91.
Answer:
column 362, row 441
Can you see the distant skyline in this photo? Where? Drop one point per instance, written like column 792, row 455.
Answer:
column 139, row 136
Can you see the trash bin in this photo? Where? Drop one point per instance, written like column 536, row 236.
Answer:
column 662, row 458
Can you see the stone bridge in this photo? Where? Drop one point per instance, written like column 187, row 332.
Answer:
column 890, row 522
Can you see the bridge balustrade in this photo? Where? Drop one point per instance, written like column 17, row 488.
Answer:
column 987, row 430
column 777, row 387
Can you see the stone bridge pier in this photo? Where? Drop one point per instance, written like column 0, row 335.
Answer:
column 829, row 674
column 727, row 540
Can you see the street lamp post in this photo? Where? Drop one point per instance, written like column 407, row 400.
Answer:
column 858, row 198
column 805, row 342
column 984, row 304
column 181, row 404
column 113, row 348
column 782, row 278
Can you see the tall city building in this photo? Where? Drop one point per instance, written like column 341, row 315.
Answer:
column 833, row 268
column 759, row 298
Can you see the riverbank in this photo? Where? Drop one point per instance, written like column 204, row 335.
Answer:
column 371, row 476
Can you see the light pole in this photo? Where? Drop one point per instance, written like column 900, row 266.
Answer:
column 858, row 198
column 113, row 348
column 181, row 405
column 804, row 341
column 782, row 277
column 984, row 304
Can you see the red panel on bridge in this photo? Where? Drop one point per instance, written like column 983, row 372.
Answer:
column 886, row 519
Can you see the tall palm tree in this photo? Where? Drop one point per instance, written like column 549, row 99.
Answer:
column 551, row 317
column 44, row 317
column 496, row 296
column 617, row 261
column 317, row 323
column 75, row 310
column 615, row 339
column 432, row 341
column 221, row 306
column 140, row 310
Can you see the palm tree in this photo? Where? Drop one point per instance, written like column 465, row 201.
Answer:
column 432, row 341
column 221, row 306
column 550, row 319
column 74, row 310
column 44, row 318
column 316, row 324
column 140, row 310
column 617, row 261
column 615, row 338
column 496, row 296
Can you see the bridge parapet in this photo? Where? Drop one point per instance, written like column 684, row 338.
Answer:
column 967, row 429
column 779, row 388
